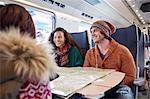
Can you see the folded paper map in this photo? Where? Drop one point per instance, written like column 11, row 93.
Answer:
column 75, row 78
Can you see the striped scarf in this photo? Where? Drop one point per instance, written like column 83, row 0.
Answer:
column 62, row 55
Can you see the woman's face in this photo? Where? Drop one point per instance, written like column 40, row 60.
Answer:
column 59, row 39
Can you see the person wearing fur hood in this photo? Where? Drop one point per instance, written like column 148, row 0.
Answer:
column 25, row 66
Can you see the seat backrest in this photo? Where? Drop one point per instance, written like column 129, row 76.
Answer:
column 133, row 39
column 129, row 38
column 81, row 39
column 147, row 40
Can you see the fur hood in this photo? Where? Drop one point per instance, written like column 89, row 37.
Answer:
column 28, row 59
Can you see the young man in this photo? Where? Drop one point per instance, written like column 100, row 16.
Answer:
column 108, row 54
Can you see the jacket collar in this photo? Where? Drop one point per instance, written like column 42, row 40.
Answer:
column 113, row 45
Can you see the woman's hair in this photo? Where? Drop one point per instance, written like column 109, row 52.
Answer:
column 13, row 15
column 68, row 38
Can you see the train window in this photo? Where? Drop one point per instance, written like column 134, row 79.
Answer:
column 86, row 27
column 44, row 20
column 44, row 23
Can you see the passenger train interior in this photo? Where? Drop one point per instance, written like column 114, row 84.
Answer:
column 131, row 18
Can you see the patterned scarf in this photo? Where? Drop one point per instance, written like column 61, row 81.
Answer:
column 35, row 90
column 62, row 55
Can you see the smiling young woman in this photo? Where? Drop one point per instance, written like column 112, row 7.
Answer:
column 67, row 51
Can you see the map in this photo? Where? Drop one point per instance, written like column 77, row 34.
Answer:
column 73, row 79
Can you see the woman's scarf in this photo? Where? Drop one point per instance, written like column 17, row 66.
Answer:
column 62, row 55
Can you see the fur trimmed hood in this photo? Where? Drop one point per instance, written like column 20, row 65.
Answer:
column 28, row 59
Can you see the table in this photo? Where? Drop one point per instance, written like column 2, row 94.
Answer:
column 91, row 82
column 97, row 88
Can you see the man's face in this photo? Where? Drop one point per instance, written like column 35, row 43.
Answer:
column 97, row 35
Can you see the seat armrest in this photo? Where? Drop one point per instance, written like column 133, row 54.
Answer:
column 139, row 82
